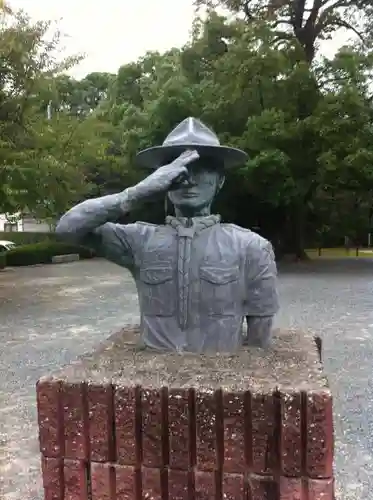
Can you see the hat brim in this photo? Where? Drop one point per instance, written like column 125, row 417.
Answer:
column 157, row 156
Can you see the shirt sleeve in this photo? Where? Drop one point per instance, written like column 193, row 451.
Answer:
column 261, row 280
column 117, row 242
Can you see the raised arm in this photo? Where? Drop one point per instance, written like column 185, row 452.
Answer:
column 85, row 218
column 92, row 222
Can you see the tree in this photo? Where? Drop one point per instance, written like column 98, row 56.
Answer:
column 300, row 155
column 306, row 21
column 269, row 58
column 25, row 57
column 65, row 152
column 42, row 163
column 77, row 97
column 304, row 121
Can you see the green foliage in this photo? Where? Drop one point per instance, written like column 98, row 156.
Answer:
column 255, row 77
column 43, row 162
column 42, row 253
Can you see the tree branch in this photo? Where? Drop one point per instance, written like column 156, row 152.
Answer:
column 275, row 24
column 310, row 23
column 333, row 80
column 246, row 10
column 297, row 14
column 330, row 10
column 359, row 4
column 341, row 23
column 337, row 4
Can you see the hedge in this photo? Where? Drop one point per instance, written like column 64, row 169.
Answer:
column 26, row 238
column 42, row 253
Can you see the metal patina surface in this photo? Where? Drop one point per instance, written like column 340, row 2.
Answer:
column 292, row 362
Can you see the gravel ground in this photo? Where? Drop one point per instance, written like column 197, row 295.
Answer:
column 51, row 314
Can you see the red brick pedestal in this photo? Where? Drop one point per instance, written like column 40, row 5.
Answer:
column 122, row 424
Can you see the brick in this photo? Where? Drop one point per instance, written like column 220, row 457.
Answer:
column 205, row 485
column 126, row 483
column 291, row 488
column 76, row 433
column 100, row 422
column 179, row 418
column 127, row 438
column 233, row 487
column 291, row 447
column 151, row 407
column 320, row 438
column 52, row 472
column 320, row 489
column 179, row 482
column 75, row 480
column 263, row 429
column 50, row 418
column 262, row 488
column 102, row 482
column 234, row 432
column 151, row 484
column 206, row 446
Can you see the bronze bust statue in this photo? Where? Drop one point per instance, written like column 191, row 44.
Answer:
column 197, row 278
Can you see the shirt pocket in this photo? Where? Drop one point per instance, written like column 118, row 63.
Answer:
column 157, row 291
column 220, row 294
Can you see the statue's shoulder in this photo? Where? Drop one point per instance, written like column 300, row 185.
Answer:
column 235, row 228
column 148, row 227
column 251, row 239
column 135, row 232
column 147, row 224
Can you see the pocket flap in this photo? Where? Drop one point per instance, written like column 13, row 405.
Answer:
column 156, row 275
column 219, row 275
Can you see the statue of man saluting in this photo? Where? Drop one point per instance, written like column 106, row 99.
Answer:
column 197, row 278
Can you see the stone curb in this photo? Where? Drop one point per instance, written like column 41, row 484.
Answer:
column 62, row 259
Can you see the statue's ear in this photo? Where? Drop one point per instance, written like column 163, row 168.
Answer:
column 220, row 183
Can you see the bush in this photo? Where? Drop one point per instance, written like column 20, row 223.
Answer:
column 25, row 238
column 42, row 253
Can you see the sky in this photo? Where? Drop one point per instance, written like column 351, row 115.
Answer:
column 114, row 32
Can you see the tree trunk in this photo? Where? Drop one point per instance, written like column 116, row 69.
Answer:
column 293, row 240
column 298, row 239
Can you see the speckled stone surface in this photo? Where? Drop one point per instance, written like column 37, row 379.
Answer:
column 291, row 363
column 51, row 314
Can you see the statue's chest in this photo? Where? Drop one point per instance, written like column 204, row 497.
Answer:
column 187, row 251
column 185, row 272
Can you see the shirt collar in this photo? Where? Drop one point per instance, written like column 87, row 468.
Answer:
column 198, row 223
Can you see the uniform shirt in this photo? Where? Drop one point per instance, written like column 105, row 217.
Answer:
column 196, row 279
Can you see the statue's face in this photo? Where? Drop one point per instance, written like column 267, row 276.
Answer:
column 205, row 181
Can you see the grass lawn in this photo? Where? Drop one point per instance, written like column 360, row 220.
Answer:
column 335, row 253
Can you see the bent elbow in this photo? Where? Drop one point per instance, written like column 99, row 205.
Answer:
column 60, row 228
column 63, row 227
column 67, row 231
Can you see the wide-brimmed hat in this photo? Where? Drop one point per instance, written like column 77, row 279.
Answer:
column 190, row 134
